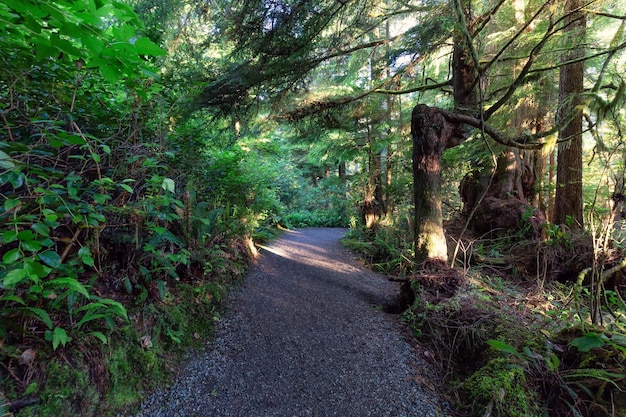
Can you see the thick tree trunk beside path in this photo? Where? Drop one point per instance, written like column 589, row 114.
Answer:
column 304, row 337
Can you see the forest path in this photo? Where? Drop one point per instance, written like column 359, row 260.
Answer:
column 304, row 337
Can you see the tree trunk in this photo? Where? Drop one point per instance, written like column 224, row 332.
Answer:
column 372, row 208
column 569, row 180
column 432, row 134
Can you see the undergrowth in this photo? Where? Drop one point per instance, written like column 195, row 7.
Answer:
column 509, row 338
column 92, row 379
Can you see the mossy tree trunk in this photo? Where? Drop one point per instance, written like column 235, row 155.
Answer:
column 432, row 133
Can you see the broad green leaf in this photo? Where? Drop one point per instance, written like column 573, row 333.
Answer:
column 50, row 215
column 95, row 157
column 101, row 198
column 11, row 256
column 16, row 179
column 50, row 258
column 123, row 33
column 36, row 270
column 35, row 289
column 589, row 341
column 84, row 251
column 6, row 161
column 146, row 47
column 168, row 184
column 32, row 245
column 94, row 44
column 19, row 6
column 95, row 219
column 41, row 228
column 26, row 235
column 9, row 236
column 14, row 277
column 111, row 73
column 75, row 140
column 11, row 203
column 59, row 336
column 88, row 260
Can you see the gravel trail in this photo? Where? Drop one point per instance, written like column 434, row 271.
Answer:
column 304, row 337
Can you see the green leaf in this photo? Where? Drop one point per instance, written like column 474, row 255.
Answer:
column 88, row 260
column 12, row 256
column 9, row 236
column 110, row 73
column 70, row 283
column 126, row 187
column 6, row 161
column 32, row 245
column 14, row 277
column 101, row 198
column 75, row 139
column 32, row 388
column 59, row 336
column 168, row 184
column 16, row 179
column 50, row 215
column 146, row 47
column 100, row 336
column 95, row 157
column 503, row 347
column 10, row 204
column 36, row 270
column 42, row 315
column 90, row 317
column 124, row 32
column 84, row 251
column 41, row 229
column 95, row 45
column 589, row 341
column 26, row 235
column 13, row 298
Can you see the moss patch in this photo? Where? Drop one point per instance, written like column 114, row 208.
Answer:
column 500, row 389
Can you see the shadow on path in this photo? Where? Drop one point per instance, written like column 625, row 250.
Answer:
column 303, row 338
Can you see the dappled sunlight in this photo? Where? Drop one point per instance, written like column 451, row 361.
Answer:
column 310, row 255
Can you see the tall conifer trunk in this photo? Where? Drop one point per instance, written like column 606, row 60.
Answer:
column 569, row 184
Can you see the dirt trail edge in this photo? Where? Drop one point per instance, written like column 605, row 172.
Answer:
column 304, row 337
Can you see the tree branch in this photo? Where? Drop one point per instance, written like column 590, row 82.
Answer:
column 514, row 37
column 520, row 78
column 524, row 141
column 415, row 89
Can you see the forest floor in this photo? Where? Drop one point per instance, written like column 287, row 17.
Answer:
column 305, row 336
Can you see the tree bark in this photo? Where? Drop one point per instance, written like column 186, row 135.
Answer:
column 432, row 133
column 569, row 180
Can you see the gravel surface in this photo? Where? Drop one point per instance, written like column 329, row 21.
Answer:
column 304, row 337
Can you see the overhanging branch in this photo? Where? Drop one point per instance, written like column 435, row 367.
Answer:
column 524, row 141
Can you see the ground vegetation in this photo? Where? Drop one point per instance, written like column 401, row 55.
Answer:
column 474, row 148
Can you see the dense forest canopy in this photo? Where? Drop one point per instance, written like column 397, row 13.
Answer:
column 146, row 145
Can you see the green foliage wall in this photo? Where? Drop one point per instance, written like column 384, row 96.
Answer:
column 110, row 199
